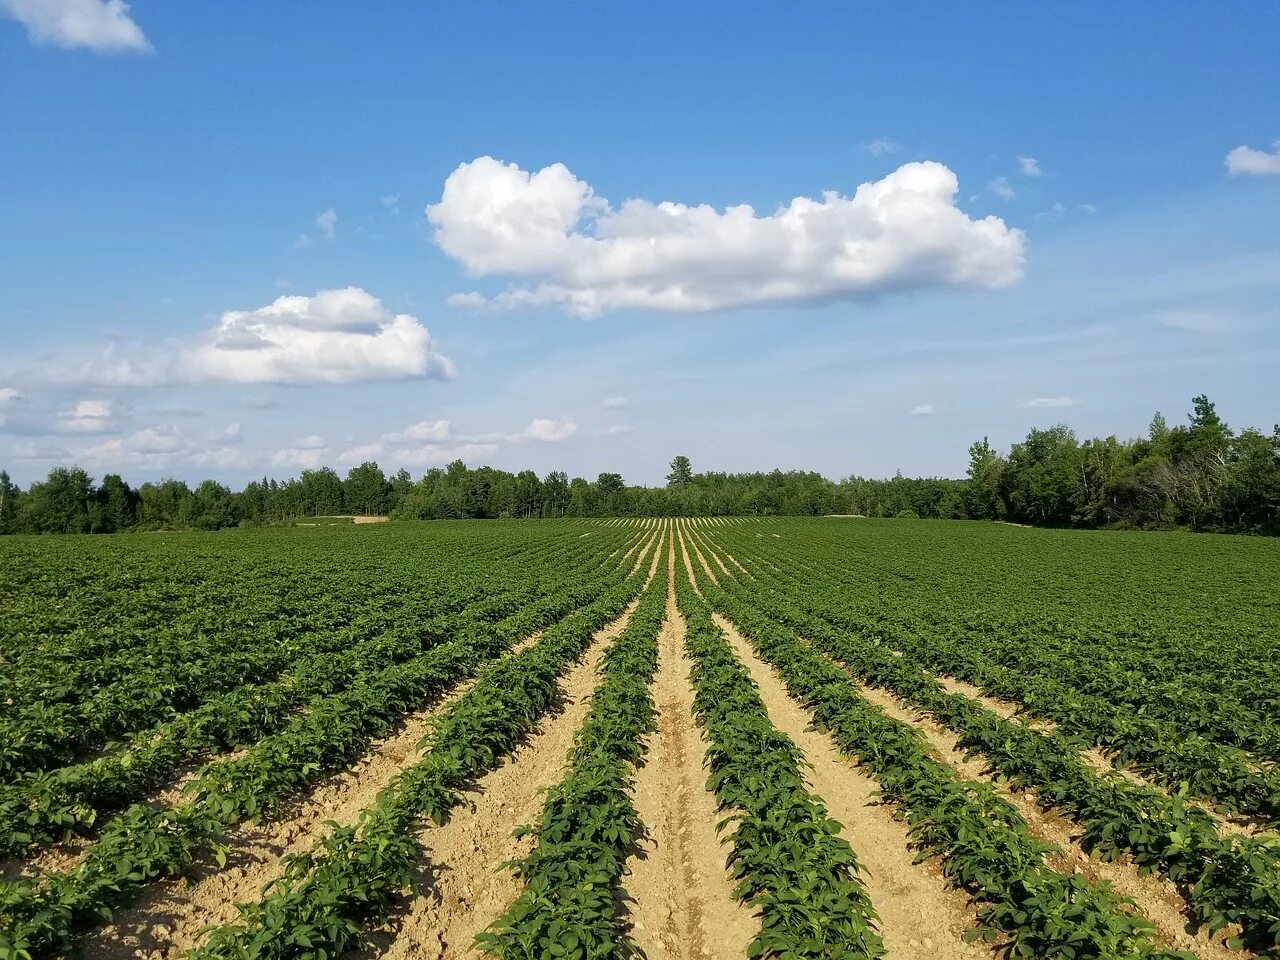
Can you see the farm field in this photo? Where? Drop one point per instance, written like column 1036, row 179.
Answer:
column 709, row 738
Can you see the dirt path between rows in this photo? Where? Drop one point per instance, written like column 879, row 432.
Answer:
column 172, row 917
column 1095, row 757
column 921, row 916
column 680, row 895
column 1158, row 899
column 461, row 867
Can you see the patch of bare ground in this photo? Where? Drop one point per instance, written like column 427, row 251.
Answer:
column 1095, row 756
column 461, row 863
column 921, row 916
column 1157, row 899
column 717, row 551
column 172, row 917
column 702, row 543
column 680, row 896
column 696, row 549
column 62, row 858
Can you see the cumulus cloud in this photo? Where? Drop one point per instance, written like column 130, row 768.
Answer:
column 901, row 232
column 328, row 223
column 879, row 147
column 1001, row 187
column 549, row 430
column 9, row 399
column 306, row 453
column 335, row 337
column 366, row 451
column 1042, row 403
column 924, row 410
column 87, row 416
column 435, row 455
column 103, row 26
column 616, row 403
column 1258, row 163
column 1029, row 167
column 424, row 431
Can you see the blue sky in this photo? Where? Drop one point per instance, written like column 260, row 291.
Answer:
column 168, row 172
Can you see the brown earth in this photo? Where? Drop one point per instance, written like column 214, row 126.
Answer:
column 921, row 916
column 679, row 895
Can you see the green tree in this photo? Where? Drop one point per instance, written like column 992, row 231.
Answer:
column 118, row 504
column 681, row 472
column 983, row 499
column 64, row 502
column 212, row 507
column 9, row 494
column 365, row 489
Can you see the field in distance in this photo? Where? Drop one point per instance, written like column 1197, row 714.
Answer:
column 689, row 739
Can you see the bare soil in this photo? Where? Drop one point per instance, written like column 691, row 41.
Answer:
column 679, row 895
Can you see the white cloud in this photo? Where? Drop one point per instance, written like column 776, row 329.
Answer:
column 1088, row 208
column 433, row 455
column 424, row 431
column 879, row 147
column 328, row 223
column 335, row 337
column 1042, row 403
column 8, row 396
column 87, row 416
column 549, row 430
column 232, row 432
column 367, row 451
column 1029, row 167
column 901, row 232
column 616, row 403
column 305, row 453
column 924, row 410
column 302, row 242
column 1001, row 187
column 103, row 26
column 391, row 202
column 1256, row 162
column 616, row 430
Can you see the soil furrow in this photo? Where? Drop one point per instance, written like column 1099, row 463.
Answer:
column 461, row 870
column 1157, row 899
column 921, row 916
column 680, row 895
column 171, row 917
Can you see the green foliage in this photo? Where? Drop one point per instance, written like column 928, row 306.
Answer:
column 787, row 855
column 145, row 843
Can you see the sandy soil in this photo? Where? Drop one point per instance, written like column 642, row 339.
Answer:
column 1158, row 900
column 171, row 917
column 466, row 887
column 920, row 915
column 680, row 896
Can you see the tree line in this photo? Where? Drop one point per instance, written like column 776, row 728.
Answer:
column 1201, row 475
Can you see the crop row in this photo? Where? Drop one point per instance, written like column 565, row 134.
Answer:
column 1073, row 617
column 47, row 734
column 588, row 826
column 44, row 807
column 1158, row 747
column 321, row 904
column 983, row 843
column 147, row 843
column 153, row 608
column 787, row 856
column 1226, row 880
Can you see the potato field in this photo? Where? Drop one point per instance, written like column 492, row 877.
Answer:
column 697, row 740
